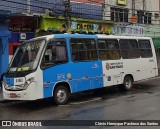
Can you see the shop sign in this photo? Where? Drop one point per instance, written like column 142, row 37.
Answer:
column 90, row 27
column 76, row 26
column 21, row 29
column 122, row 2
column 21, row 24
column 23, row 36
column 129, row 30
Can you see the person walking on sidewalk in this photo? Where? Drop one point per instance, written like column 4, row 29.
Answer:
column 1, row 79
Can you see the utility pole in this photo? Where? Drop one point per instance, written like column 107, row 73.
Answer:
column 133, row 7
column 67, row 15
column 28, row 6
column 144, row 13
column 144, row 5
column 104, row 8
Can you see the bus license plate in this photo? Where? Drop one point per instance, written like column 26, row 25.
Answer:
column 13, row 95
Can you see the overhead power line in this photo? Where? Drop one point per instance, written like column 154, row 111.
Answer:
column 36, row 5
column 84, row 14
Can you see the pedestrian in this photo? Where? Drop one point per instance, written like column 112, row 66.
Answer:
column 1, row 79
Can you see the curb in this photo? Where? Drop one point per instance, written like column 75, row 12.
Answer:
column 5, row 101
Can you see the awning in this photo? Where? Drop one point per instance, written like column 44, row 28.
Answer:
column 156, row 42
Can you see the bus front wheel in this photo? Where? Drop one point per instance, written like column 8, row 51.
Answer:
column 61, row 95
column 127, row 83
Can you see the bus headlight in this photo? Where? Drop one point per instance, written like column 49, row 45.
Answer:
column 4, row 85
column 28, row 82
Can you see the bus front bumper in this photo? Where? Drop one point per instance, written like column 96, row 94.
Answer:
column 28, row 94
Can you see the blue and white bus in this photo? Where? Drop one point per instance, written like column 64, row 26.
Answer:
column 60, row 64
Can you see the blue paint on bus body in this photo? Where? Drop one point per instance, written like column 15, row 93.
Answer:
column 9, row 81
column 79, row 75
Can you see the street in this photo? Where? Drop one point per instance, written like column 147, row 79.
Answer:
column 142, row 103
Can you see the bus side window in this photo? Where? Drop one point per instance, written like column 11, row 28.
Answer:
column 129, row 49
column 145, row 48
column 108, row 49
column 113, row 50
column 83, row 49
column 102, row 49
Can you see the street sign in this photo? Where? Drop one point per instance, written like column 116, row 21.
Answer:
column 134, row 19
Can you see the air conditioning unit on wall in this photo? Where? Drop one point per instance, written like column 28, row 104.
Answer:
column 156, row 15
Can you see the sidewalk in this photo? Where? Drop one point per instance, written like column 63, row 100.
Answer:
column 1, row 96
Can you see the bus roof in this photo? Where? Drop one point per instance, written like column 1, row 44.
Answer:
column 121, row 37
column 90, row 36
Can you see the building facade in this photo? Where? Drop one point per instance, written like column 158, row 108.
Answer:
column 136, row 18
column 133, row 17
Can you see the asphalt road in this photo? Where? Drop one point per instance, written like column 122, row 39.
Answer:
column 141, row 103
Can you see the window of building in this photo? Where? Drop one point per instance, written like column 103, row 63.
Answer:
column 144, row 17
column 129, row 49
column 119, row 14
column 83, row 49
column 148, row 18
column 112, row 14
column 108, row 49
column 140, row 15
column 145, row 48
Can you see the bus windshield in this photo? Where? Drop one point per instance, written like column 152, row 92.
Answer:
column 26, row 56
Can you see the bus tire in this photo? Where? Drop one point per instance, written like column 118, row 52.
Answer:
column 61, row 95
column 127, row 84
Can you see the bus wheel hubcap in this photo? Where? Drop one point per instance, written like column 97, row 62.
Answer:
column 128, row 83
column 61, row 95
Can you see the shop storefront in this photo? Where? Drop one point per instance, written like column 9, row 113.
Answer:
column 22, row 28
